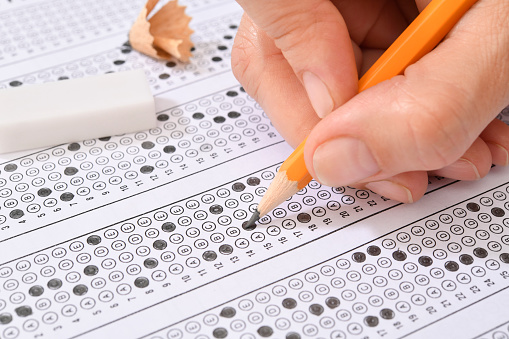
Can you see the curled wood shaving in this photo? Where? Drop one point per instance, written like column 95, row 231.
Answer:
column 165, row 34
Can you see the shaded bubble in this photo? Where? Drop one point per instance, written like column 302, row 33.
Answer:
column 233, row 114
column 209, row 255
column 228, row 312
column 374, row 250
column 5, row 318
column 163, row 117
column 169, row 149
column 23, row 311
column 168, row 227
column 452, row 266
column 303, row 217
column 316, row 309
column 160, row 244
column 141, row 282
column 54, row 284
column 371, row 321
column 359, row 257
column 36, row 291
column 289, row 303
column 146, row 169
column 150, row 263
column 66, row 196
column 265, row 331
column 399, row 255
column 94, row 240
column 70, row 171
column 425, row 261
column 473, row 207
column 332, row 302
column 73, row 147
column 147, row 145
column 16, row 214
column 44, row 192
column 10, row 167
column 497, row 211
column 216, row 209
column 226, row 249
column 466, row 259
column 238, row 187
column 80, row 290
column 387, row 313
column 480, row 252
column 250, row 227
column 219, row 119
column 220, row 332
column 253, row 181
column 91, row 270
column 504, row 257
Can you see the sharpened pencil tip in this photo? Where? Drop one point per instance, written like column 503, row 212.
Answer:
column 251, row 224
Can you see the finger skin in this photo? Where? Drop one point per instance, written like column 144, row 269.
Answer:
column 496, row 136
column 405, row 187
column 267, row 77
column 431, row 126
column 266, row 74
column 427, row 118
column 474, row 164
column 313, row 37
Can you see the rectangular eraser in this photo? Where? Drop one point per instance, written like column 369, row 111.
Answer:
column 59, row 112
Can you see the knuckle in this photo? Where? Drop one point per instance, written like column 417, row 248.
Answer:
column 486, row 32
column 438, row 133
column 239, row 59
column 296, row 29
column 242, row 52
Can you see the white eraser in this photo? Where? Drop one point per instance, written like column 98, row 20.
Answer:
column 72, row 110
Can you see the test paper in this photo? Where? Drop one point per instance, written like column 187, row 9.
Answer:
column 140, row 235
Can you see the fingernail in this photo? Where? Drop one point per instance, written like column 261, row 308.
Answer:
column 318, row 94
column 391, row 190
column 465, row 166
column 343, row 161
column 499, row 153
column 505, row 154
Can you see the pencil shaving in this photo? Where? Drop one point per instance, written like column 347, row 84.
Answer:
column 165, row 34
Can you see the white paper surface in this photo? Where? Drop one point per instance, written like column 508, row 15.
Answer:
column 139, row 235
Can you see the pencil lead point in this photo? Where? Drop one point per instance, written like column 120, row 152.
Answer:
column 251, row 224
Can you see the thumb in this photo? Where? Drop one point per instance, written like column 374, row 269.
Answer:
column 425, row 119
column 313, row 38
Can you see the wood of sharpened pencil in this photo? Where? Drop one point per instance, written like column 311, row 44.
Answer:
column 419, row 38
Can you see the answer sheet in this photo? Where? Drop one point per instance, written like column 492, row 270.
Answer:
column 140, row 235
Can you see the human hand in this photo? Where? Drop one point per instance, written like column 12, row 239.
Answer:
column 300, row 60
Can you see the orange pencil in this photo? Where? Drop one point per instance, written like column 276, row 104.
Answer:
column 420, row 37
